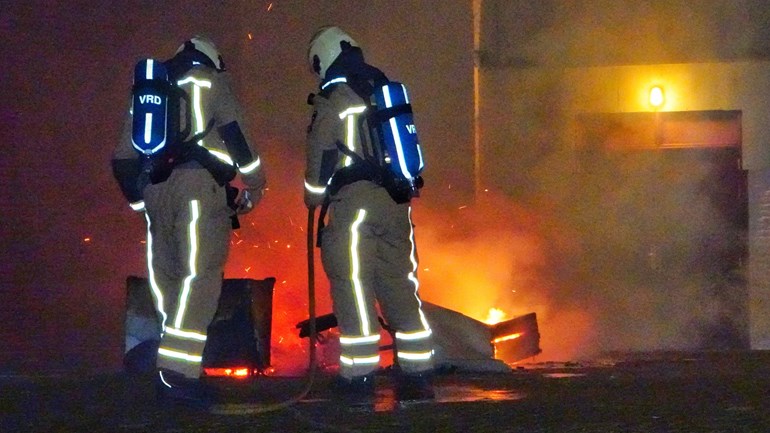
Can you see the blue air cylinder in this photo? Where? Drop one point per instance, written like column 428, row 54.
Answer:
column 396, row 126
column 150, row 107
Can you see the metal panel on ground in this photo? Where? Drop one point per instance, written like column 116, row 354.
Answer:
column 238, row 336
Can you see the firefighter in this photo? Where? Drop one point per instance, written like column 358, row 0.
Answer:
column 367, row 248
column 189, row 216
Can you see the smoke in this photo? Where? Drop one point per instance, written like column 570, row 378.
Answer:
column 495, row 253
column 617, row 251
column 642, row 250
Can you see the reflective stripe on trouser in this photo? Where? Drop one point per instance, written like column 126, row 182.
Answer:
column 187, row 242
column 368, row 254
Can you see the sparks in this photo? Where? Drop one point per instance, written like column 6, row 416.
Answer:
column 269, row 7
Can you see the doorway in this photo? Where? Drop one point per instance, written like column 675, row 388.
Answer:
column 663, row 208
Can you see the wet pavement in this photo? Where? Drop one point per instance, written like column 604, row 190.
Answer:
column 665, row 392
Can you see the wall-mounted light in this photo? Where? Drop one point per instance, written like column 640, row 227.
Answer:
column 657, row 98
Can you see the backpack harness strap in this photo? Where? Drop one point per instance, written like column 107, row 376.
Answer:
column 361, row 169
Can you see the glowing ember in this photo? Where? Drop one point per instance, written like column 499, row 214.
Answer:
column 495, row 315
column 507, row 337
column 235, row 372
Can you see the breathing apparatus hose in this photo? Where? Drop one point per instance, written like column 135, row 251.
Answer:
column 255, row 408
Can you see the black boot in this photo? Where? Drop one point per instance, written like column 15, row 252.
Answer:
column 414, row 387
column 141, row 358
column 174, row 388
column 357, row 391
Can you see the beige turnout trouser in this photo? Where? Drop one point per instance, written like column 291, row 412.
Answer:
column 188, row 237
column 369, row 255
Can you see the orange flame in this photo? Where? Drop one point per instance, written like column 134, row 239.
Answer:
column 495, row 315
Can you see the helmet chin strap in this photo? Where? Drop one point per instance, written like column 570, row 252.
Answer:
column 317, row 65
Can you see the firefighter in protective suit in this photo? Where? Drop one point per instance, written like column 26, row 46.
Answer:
column 189, row 216
column 367, row 248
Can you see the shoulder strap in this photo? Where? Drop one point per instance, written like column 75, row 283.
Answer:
column 322, row 220
column 348, row 152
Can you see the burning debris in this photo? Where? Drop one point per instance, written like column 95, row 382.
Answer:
column 516, row 339
column 461, row 343
column 466, row 344
column 239, row 343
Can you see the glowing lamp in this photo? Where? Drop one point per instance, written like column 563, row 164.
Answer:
column 656, row 97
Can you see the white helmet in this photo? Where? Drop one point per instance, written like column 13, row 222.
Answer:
column 207, row 47
column 324, row 48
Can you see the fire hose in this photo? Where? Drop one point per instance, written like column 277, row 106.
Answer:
column 256, row 408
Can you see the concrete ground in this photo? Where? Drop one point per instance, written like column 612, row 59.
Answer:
column 664, row 392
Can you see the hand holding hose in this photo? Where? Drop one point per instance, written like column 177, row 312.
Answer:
column 243, row 202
